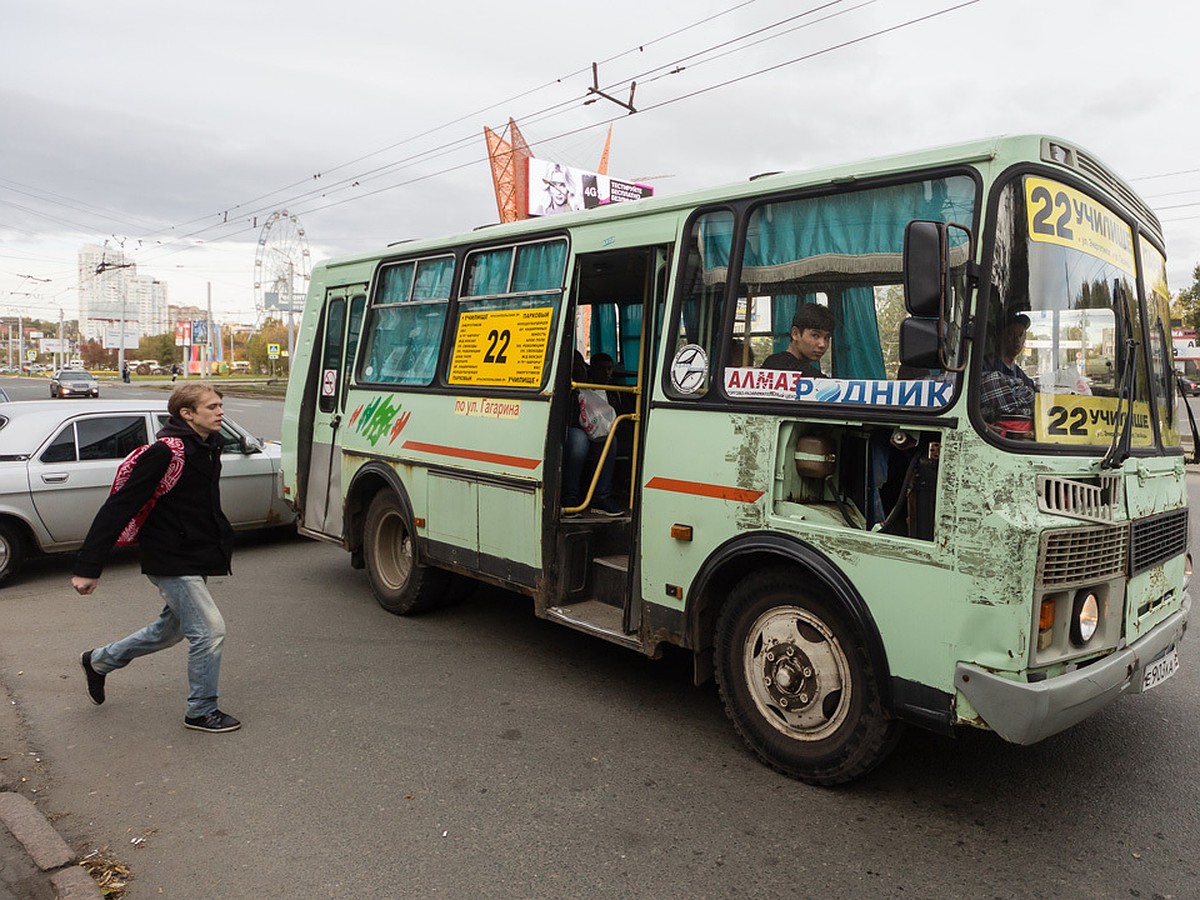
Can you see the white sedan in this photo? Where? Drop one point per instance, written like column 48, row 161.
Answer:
column 57, row 464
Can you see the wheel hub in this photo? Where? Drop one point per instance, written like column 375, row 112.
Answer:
column 790, row 677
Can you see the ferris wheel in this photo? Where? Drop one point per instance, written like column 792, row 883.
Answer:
column 282, row 267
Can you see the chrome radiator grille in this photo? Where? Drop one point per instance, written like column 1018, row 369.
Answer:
column 1077, row 555
column 1157, row 539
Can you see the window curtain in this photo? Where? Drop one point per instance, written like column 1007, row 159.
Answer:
column 434, row 278
column 489, row 272
column 539, row 267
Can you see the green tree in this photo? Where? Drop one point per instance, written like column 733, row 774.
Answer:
column 273, row 331
column 161, row 347
column 1187, row 303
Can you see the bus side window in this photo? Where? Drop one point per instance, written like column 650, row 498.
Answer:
column 702, row 302
column 408, row 316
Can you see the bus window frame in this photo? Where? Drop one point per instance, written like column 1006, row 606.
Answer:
column 370, row 315
column 983, row 295
column 742, row 209
column 462, row 302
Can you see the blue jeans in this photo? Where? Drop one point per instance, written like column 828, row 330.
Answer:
column 191, row 613
column 580, row 450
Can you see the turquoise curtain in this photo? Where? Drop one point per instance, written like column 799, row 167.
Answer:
column 856, row 350
column 434, row 279
column 395, row 282
column 855, row 233
column 540, row 267
column 488, row 272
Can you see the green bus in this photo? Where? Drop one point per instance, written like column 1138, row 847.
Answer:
column 967, row 507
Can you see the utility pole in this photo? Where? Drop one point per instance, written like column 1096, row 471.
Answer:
column 291, row 307
column 208, row 344
column 104, row 267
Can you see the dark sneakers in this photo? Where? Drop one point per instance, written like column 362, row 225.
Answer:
column 215, row 722
column 95, row 681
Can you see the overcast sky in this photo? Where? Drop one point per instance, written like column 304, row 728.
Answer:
column 176, row 130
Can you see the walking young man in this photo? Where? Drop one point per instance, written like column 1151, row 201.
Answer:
column 184, row 539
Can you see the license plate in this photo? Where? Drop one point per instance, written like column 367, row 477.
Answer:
column 1160, row 670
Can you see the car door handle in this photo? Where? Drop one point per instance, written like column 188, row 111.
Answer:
column 54, row 477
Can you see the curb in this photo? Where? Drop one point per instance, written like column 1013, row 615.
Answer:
column 47, row 849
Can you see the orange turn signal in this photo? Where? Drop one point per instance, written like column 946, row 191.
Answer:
column 418, row 522
column 681, row 532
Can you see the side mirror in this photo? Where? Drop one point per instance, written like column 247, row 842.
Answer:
column 251, row 445
column 920, row 343
column 924, row 268
column 937, row 260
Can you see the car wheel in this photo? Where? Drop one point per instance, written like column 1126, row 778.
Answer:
column 401, row 584
column 798, row 683
column 12, row 550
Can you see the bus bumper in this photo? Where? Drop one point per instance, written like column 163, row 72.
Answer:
column 1026, row 712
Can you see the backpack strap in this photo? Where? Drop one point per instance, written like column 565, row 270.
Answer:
column 169, row 480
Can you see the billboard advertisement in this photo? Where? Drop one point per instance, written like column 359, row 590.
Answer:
column 112, row 338
column 555, row 188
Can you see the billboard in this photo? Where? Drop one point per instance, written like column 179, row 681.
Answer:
column 555, row 188
column 273, row 301
column 112, row 337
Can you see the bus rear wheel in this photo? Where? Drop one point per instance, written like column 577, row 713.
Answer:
column 401, row 584
column 797, row 682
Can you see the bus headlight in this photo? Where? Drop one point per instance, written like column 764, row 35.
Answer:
column 1187, row 569
column 1085, row 617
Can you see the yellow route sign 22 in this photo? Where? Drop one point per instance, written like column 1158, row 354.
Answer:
column 1062, row 215
column 501, row 347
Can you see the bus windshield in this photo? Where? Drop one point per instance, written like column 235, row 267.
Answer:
column 1063, row 338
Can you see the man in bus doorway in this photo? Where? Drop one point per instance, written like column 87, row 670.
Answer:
column 812, row 333
column 185, row 539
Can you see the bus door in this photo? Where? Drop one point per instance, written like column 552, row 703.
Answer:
column 618, row 308
column 322, row 503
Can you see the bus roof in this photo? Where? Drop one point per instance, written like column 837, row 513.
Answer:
column 1005, row 149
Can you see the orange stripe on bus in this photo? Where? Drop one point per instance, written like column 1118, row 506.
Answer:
column 500, row 459
column 700, row 489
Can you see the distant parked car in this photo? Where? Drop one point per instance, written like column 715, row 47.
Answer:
column 57, row 464
column 74, row 383
column 1189, row 384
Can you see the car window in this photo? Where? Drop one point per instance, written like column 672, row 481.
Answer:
column 62, row 448
column 231, row 441
column 112, row 437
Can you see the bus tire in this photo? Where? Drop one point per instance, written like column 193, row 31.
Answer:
column 401, row 585
column 13, row 550
column 797, row 682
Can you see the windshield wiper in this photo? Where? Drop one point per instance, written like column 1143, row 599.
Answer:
column 1118, row 450
column 1195, row 457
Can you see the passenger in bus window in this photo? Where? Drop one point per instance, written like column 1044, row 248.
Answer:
column 1006, row 392
column 812, row 333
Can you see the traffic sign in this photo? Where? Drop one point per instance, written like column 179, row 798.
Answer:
column 273, row 351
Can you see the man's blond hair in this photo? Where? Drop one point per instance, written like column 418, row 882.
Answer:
column 189, row 396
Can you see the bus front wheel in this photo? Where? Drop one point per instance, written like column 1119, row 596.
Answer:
column 401, row 584
column 797, row 682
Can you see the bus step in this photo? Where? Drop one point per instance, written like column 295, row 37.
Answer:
column 610, row 579
column 595, row 618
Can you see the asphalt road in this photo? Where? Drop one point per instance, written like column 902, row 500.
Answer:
column 480, row 752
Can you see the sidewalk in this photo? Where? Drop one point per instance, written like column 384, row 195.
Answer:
column 35, row 862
